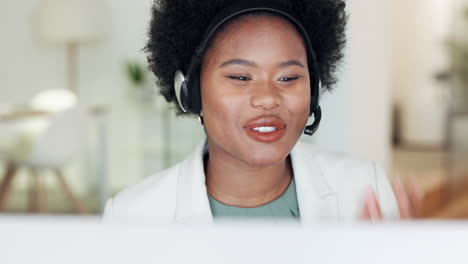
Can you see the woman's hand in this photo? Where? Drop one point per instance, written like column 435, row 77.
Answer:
column 409, row 198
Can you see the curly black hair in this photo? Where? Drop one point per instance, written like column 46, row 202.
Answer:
column 177, row 28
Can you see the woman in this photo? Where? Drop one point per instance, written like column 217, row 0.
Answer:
column 251, row 71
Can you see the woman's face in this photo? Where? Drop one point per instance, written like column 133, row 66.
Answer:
column 255, row 91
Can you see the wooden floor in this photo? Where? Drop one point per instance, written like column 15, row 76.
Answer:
column 446, row 202
column 446, row 196
column 455, row 209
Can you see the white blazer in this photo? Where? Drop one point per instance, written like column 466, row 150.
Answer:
column 330, row 187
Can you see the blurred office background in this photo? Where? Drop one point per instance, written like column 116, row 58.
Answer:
column 80, row 118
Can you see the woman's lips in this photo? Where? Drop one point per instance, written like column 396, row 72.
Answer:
column 265, row 128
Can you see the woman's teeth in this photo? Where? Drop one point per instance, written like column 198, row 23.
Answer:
column 265, row 129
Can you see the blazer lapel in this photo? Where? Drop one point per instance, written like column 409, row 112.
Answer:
column 192, row 205
column 317, row 201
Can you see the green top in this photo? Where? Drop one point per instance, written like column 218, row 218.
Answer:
column 283, row 207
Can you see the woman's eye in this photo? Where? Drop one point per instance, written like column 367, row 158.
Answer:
column 288, row 79
column 239, row 78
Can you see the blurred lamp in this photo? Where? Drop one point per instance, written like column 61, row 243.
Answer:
column 54, row 100
column 72, row 22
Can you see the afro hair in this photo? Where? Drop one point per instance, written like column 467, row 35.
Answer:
column 177, row 28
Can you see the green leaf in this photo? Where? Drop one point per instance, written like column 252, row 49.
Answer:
column 136, row 73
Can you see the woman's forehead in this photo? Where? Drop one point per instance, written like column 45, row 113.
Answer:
column 260, row 37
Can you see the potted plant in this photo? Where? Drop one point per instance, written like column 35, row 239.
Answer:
column 137, row 74
column 458, row 72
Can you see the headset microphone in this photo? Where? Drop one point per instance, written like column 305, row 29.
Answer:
column 311, row 129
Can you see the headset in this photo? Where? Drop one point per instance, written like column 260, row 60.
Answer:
column 187, row 87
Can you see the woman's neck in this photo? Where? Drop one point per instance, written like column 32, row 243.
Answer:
column 233, row 182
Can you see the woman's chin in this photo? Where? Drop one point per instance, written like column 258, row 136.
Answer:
column 265, row 159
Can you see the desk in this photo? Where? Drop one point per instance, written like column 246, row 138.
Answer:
column 87, row 240
column 18, row 114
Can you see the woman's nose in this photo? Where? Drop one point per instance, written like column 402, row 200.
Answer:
column 265, row 96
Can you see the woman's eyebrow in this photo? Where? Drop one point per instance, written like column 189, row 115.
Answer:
column 253, row 64
column 238, row 62
column 291, row 63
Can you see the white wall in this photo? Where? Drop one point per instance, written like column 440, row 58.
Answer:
column 370, row 79
column 27, row 67
column 357, row 114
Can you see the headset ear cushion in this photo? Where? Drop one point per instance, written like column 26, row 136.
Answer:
column 184, row 96
column 180, row 89
column 194, row 93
